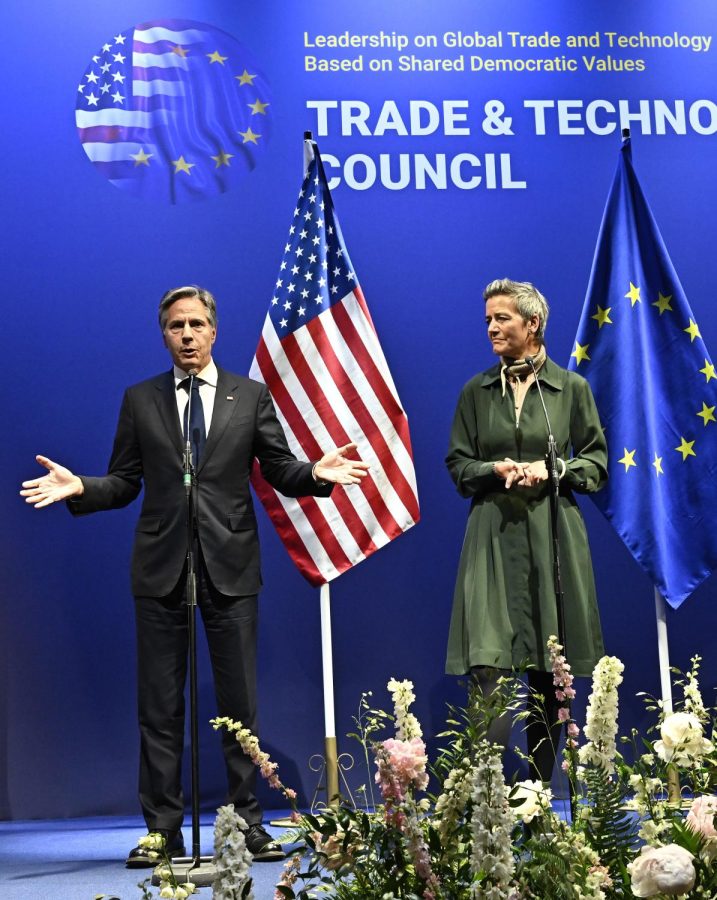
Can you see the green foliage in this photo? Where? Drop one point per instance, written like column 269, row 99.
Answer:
column 609, row 829
column 544, row 873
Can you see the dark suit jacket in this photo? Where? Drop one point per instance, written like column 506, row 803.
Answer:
column 148, row 448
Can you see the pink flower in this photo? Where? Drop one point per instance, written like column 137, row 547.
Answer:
column 701, row 817
column 563, row 713
column 401, row 765
column 573, row 729
column 408, row 760
column 390, row 786
column 290, row 793
column 288, row 876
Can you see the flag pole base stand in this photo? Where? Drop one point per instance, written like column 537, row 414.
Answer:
column 324, row 764
column 332, row 784
column 674, row 795
column 202, row 874
column 283, row 822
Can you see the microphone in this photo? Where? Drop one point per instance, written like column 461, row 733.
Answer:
column 551, row 457
column 188, row 466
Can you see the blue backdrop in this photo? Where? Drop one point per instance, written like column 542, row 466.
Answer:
column 85, row 265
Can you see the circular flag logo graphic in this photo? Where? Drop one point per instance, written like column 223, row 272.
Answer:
column 173, row 110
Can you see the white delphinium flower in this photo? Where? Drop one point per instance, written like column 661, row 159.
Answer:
column 454, row 797
column 646, row 790
column 601, row 717
column 491, row 824
column 691, row 689
column 231, row 857
column 652, row 831
column 407, row 725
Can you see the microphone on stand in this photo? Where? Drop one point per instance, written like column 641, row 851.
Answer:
column 188, row 465
column 551, row 464
column 551, row 460
column 552, row 454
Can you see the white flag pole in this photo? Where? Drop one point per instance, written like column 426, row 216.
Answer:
column 673, row 778
column 327, row 657
column 663, row 652
column 327, row 660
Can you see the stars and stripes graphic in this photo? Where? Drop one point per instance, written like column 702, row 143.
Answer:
column 320, row 357
column 173, row 110
column 640, row 347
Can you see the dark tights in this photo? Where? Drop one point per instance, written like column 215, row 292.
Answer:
column 542, row 741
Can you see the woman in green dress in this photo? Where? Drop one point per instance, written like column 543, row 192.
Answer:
column 504, row 606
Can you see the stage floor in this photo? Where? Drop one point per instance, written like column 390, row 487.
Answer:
column 77, row 859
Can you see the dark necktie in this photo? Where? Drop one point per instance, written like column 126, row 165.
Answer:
column 197, row 431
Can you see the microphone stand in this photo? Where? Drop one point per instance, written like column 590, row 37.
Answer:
column 195, row 868
column 551, row 464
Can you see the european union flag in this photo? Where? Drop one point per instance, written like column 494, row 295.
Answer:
column 655, row 386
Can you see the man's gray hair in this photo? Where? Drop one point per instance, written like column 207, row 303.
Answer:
column 181, row 293
column 527, row 298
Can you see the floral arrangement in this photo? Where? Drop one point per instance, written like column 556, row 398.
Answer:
column 169, row 886
column 643, row 823
column 231, row 859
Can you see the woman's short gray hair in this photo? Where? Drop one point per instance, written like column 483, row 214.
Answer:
column 527, row 298
column 181, row 293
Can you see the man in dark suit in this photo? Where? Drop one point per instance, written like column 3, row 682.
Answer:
column 237, row 424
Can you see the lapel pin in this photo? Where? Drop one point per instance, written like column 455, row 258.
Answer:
column 229, row 397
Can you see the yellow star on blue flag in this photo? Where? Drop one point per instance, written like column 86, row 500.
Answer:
column 649, row 372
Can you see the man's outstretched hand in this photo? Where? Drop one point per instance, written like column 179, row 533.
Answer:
column 58, row 484
column 334, row 466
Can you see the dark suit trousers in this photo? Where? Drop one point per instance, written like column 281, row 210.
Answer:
column 230, row 624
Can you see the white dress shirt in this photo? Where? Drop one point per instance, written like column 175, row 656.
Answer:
column 207, row 391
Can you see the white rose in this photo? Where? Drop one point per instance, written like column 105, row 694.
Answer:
column 662, row 870
column 529, row 799
column 681, row 734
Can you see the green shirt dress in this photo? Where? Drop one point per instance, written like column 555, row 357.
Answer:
column 504, row 606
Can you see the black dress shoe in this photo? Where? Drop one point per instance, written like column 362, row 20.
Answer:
column 261, row 845
column 139, row 857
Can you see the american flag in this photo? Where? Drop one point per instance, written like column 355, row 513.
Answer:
column 173, row 110
column 320, row 357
